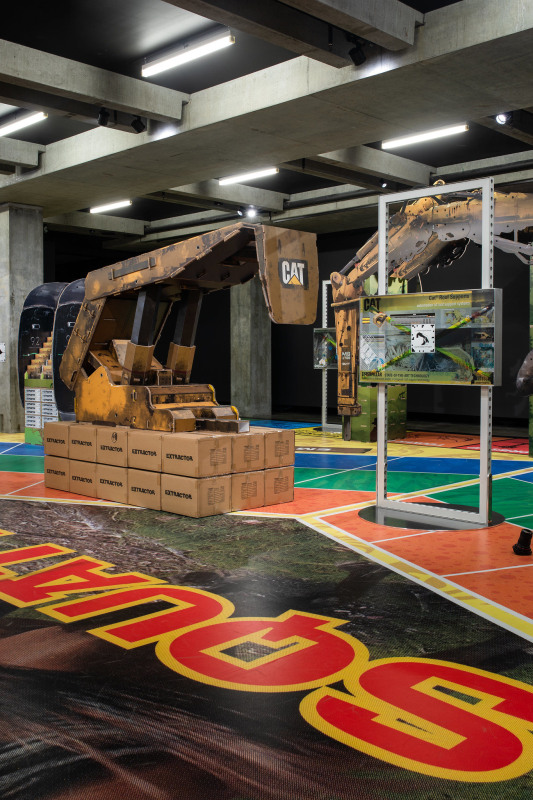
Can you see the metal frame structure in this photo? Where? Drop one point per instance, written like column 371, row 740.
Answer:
column 450, row 516
column 324, row 415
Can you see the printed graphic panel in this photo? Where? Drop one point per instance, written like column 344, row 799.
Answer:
column 440, row 338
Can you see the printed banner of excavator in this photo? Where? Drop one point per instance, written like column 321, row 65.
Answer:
column 428, row 232
column 154, row 300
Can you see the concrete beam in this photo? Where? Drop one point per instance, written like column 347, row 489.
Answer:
column 186, row 220
column 388, row 23
column 485, row 166
column 234, row 195
column 380, row 164
column 83, row 222
column 20, row 154
column 275, row 22
column 37, row 70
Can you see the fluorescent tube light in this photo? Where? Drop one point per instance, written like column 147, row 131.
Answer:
column 23, row 122
column 110, row 206
column 423, row 137
column 188, row 52
column 248, row 176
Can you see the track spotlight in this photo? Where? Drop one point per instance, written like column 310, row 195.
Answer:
column 503, row 119
column 384, row 184
column 138, row 125
column 357, row 54
column 103, row 117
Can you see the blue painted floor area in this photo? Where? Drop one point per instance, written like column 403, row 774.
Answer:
column 276, row 423
column 21, row 449
column 459, row 466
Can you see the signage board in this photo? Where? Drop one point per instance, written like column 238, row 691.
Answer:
column 451, row 338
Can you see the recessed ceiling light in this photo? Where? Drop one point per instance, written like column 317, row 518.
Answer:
column 110, row 206
column 195, row 48
column 22, row 122
column 426, row 136
column 501, row 119
column 248, row 176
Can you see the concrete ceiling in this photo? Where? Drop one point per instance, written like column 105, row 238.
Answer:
column 287, row 95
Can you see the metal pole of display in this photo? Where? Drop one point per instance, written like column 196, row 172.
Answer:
column 324, row 409
column 531, row 348
column 382, row 415
column 448, row 515
column 485, row 427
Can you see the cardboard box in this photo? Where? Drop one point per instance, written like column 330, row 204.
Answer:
column 279, row 486
column 247, row 490
column 112, row 445
column 144, row 488
column 82, row 441
column 57, row 473
column 279, row 446
column 83, row 478
column 56, row 439
column 248, row 451
column 196, row 497
column 196, row 455
column 112, row 483
column 144, row 450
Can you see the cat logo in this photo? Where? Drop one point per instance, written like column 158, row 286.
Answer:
column 293, row 273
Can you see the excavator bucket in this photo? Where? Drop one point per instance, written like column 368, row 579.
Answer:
column 288, row 268
column 129, row 356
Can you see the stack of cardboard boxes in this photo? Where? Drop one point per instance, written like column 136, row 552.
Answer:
column 196, row 474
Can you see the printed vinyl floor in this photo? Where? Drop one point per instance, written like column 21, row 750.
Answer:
column 296, row 651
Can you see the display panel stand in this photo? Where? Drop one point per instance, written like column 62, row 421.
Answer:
column 531, row 348
column 326, row 428
column 432, row 514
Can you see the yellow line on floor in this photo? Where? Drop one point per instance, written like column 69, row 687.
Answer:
column 503, row 617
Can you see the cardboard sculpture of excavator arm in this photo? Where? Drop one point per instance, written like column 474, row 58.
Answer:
column 153, row 300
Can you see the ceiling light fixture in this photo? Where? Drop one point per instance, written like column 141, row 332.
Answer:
column 110, row 206
column 502, row 119
column 248, row 176
column 424, row 137
column 138, row 125
column 22, row 122
column 251, row 212
column 195, row 48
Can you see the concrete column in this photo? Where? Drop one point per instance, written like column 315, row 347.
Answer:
column 251, row 372
column 21, row 270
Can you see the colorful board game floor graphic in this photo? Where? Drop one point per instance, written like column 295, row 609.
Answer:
column 297, row 651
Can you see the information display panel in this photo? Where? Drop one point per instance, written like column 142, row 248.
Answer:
column 451, row 338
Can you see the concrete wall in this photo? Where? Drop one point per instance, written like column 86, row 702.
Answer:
column 21, row 270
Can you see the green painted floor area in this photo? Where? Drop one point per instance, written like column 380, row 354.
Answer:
column 509, row 497
column 9, row 463
column 364, row 480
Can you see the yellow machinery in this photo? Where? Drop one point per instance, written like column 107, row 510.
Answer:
column 133, row 305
